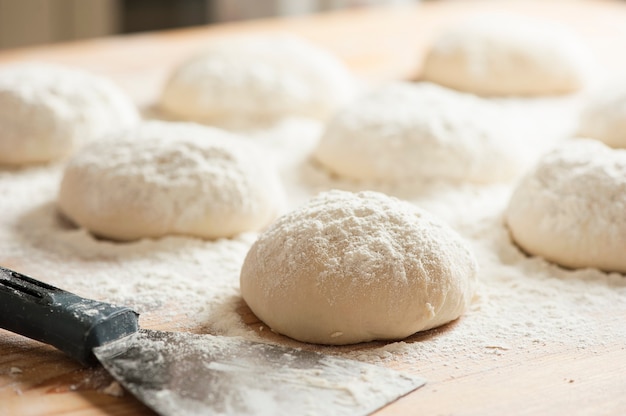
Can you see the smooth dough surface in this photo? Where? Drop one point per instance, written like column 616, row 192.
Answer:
column 354, row 267
column 265, row 77
column 501, row 54
column 170, row 179
column 47, row 110
column 406, row 131
column 571, row 208
column 604, row 116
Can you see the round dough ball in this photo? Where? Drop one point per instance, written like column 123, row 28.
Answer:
column 170, row 178
column 604, row 117
column 570, row 208
column 508, row 55
column 405, row 131
column 47, row 110
column 354, row 267
column 257, row 78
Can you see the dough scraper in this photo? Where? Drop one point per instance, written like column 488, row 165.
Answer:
column 187, row 374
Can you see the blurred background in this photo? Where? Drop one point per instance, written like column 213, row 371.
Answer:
column 35, row 22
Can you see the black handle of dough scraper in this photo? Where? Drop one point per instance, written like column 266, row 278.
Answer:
column 73, row 324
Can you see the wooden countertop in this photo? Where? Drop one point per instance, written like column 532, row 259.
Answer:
column 379, row 45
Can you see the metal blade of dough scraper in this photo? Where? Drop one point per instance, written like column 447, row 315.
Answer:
column 188, row 374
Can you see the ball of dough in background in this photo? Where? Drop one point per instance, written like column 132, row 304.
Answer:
column 604, row 116
column 48, row 110
column 571, row 209
column 500, row 54
column 354, row 267
column 170, row 179
column 405, row 131
column 265, row 77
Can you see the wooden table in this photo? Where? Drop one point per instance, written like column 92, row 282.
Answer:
column 379, row 45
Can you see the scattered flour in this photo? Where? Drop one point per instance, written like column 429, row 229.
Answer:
column 526, row 306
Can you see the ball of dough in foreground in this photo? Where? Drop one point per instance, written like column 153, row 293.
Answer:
column 405, row 131
column 170, row 179
column 604, row 117
column 47, row 110
column 570, row 208
column 508, row 55
column 354, row 267
column 257, row 78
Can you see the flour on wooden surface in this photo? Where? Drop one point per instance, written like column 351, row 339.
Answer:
column 525, row 307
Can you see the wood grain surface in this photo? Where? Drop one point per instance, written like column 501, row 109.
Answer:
column 379, row 45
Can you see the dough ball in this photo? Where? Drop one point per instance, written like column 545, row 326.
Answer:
column 47, row 110
column 508, row 55
column 170, row 178
column 604, row 117
column 354, row 267
column 571, row 208
column 405, row 131
column 261, row 78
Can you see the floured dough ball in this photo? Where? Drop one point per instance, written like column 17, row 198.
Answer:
column 570, row 208
column 508, row 55
column 257, row 78
column 170, row 178
column 47, row 110
column 405, row 131
column 354, row 267
column 604, row 117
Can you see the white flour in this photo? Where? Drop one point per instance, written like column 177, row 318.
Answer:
column 524, row 304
